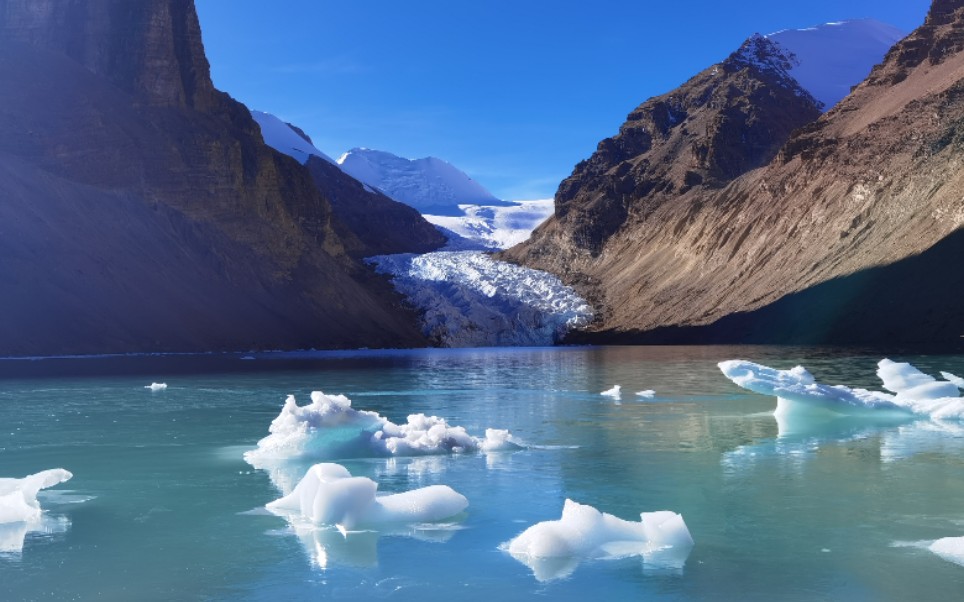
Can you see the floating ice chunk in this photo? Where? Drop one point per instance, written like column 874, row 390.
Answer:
column 330, row 428
column 156, row 386
column 798, row 395
column 20, row 512
column 647, row 394
column 18, row 497
column 329, row 495
column 614, row 392
column 584, row 532
column 957, row 380
column 950, row 549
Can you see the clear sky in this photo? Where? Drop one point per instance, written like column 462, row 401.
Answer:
column 514, row 92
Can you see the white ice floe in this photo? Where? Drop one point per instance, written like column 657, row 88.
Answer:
column 156, row 386
column 957, row 380
column 329, row 495
column 950, row 549
column 614, row 392
column 912, row 393
column 20, row 511
column 330, row 428
column 647, row 394
column 468, row 299
column 552, row 549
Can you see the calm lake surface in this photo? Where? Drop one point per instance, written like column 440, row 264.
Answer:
column 163, row 507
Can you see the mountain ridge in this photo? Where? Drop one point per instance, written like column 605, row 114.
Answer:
column 874, row 181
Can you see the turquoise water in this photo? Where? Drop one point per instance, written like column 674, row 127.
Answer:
column 163, row 507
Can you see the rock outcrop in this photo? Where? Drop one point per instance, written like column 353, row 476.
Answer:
column 875, row 182
column 143, row 210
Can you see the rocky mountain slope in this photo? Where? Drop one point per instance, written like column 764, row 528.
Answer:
column 142, row 210
column 873, row 185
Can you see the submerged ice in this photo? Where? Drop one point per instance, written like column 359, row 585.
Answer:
column 553, row 548
column 912, row 393
column 468, row 299
column 330, row 428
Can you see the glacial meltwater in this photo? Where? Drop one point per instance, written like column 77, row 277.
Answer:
column 169, row 486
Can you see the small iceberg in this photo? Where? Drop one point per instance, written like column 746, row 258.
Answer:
column 329, row 495
column 552, row 549
column 330, row 428
column 20, row 511
column 614, row 392
column 647, row 394
column 950, row 549
column 156, row 386
column 911, row 394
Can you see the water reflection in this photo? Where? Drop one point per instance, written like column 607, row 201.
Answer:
column 327, row 546
column 14, row 535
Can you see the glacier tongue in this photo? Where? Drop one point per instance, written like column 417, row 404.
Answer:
column 469, row 299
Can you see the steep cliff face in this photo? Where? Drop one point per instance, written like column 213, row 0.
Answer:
column 723, row 122
column 874, row 182
column 111, row 101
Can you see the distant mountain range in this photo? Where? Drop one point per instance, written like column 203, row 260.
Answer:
column 733, row 210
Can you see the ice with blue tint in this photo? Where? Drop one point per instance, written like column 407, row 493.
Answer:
column 329, row 495
column 647, row 394
column 20, row 511
column 552, row 549
column 339, row 518
column 614, row 392
column 911, row 392
column 330, row 428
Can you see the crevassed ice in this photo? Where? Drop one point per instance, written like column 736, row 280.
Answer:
column 330, row 428
column 552, row 548
column 912, row 393
column 469, row 299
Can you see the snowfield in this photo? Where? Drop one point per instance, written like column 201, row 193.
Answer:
column 469, row 299
column 283, row 138
column 828, row 59
column 496, row 227
column 430, row 185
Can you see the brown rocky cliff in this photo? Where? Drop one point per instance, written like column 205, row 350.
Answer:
column 874, row 182
column 723, row 122
column 150, row 47
column 110, row 102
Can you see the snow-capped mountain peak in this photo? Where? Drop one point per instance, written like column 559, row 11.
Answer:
column 285, row 139
column 431, row 185
column 828, row 60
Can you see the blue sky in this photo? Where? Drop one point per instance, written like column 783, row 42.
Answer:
column 515, row 93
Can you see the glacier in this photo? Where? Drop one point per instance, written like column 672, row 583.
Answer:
column 495, row 227
column 468, row 299
column 552, row 549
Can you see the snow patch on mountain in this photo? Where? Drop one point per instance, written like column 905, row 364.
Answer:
column 496, row 227
column 468, row 299
column 431, row 185
column 283, row 138
column 827, row 60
